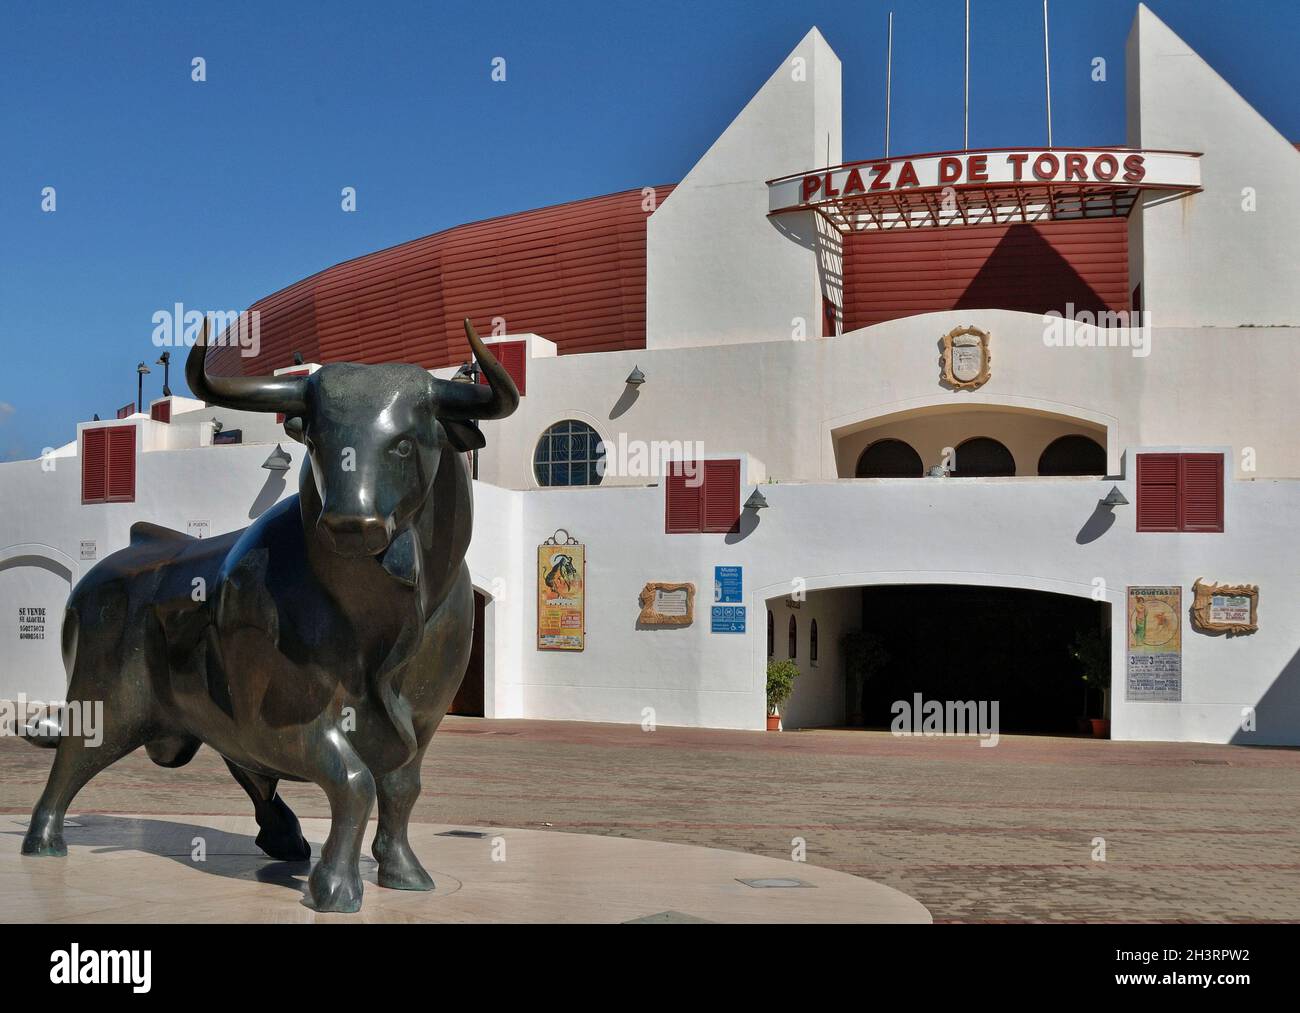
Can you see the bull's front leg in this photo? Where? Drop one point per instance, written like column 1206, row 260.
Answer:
column 335, row 881
column 399, row 869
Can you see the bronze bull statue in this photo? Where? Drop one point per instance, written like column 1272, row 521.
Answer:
column 334, row 631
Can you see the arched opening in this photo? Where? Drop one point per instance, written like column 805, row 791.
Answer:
column 771, row 635
column 794, row 639
column 1073, row 455
column 35, row 581
column 813, row 647
column 982, row 457
column 889, row 458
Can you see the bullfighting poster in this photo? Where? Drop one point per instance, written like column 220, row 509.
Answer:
column 1155, row 644
column 561, row 594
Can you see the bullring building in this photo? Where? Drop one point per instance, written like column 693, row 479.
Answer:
column 978, row 410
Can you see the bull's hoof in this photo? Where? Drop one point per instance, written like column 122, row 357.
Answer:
column 330, row 890
column 47, row 845
column 284, row 845
column 281, row 834
column 404, row 872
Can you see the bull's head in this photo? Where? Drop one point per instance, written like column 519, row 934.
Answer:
column 375, row 434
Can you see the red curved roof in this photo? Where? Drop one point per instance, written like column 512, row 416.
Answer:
column 574, row 273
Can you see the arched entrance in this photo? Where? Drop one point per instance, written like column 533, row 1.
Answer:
column 470, row 697
column 35, row 581
column 950, row 637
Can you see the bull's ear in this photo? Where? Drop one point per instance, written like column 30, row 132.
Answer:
column 464, row 435
column 293, row 428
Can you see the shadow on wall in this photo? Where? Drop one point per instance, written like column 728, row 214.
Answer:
column 1277, row 714
column 1101, row 521
column 1001, row 282
column 268, row 495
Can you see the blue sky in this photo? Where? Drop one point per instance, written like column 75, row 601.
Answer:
column 217, row 193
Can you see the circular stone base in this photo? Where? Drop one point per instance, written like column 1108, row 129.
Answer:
column 207, row 869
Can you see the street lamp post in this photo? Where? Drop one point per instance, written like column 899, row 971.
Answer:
column 165, row 360
column 141, row 372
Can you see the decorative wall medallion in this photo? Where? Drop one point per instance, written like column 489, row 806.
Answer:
column 1225, row 608
column 667, row 604
column 966, row 358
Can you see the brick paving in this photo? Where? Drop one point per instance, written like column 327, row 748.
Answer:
column 1193, row 833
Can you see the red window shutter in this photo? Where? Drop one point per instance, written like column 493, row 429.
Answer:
column 513, row 355
column 721, row 496
column 1157, row 492
column 94, row 466
column 161, row 411
column 1201, row 485
column 683, row 500
column 121, row 464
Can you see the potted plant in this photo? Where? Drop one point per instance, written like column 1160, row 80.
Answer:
column 864, row 656
column 1091, row 649
column 780, row 684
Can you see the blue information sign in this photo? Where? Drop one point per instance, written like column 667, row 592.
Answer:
column 728, row 618
column 727, row 584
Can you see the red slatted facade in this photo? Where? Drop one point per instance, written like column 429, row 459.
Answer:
column 1180, row 492
column 574, row 273
column 1034, row 268
column 707, row 502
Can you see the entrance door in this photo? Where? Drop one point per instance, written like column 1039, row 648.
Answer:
column 469, row 698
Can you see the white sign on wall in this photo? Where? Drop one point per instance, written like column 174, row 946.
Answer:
column 89, row 550
column 198, row 529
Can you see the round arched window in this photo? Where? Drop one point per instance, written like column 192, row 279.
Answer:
column 794, row 638
column 982, row 457
column 569, row 453
column 889, row 459
column 771, row 634
column 1073, row 455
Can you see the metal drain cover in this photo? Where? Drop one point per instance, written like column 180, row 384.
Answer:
column 775, row 884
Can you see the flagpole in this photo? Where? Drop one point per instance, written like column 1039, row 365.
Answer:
column 1047, row 64
column 889, row 78
column 965, row 135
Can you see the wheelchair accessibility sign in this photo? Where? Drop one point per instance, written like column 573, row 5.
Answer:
column 728, row 619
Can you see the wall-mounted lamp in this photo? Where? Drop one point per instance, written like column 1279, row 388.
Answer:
column 1114, row 498
column 756, row 501
column 297, row 358
column 468, row 373
column 278, row 461
column 165, row 360
column 636, row 377
column 141, row 372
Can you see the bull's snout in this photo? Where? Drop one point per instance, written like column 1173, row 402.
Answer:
column 355, row 536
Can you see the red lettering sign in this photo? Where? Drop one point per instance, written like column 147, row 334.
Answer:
column 854, row 183
column 907, row 176
column 1074, row 167
column 1134, row 169
column 977, row 169
column 811, row 184
column 1046, row 166
column 878, row 181
column 1105, row 167
column 1017, row 160
column 949, row 170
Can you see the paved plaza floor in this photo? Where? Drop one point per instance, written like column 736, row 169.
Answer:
column 1009, row 833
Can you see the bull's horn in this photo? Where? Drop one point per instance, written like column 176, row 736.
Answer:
column 473, row 401
column 287, row 394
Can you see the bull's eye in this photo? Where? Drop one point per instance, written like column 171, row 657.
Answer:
column 403, row 448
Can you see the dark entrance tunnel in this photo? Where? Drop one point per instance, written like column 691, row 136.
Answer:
column 962, row 643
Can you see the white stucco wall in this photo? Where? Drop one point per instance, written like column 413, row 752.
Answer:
column 718, row 269
column 1211, row 259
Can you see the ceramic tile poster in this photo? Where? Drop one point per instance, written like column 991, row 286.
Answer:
column 1155, row 644
column 561, row 597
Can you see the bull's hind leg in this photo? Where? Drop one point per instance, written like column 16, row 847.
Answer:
column 335, row 880
column 279, row 833
column 79, row 758
column 399, row 869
